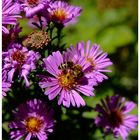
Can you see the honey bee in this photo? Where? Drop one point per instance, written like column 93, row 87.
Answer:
column 77, row 70
column 67, row 65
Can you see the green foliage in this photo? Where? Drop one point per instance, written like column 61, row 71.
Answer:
column 113, row 37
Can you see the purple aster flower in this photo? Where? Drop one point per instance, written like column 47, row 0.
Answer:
column 33, row 119
column 113, row 116
column 33, row 7
column 68, row 80
column 63, row 13
column 19, row 59
column 10, row 13
column 95, row 56
column 5, row 84
column 9, row 39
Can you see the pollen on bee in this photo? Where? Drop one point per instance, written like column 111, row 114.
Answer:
column 70, row 75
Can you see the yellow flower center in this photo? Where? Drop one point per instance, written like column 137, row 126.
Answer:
column 70, row 75
column 59, row 15
column 92, row 63
column 67, row 80
column 90, row 60
column 33, row 124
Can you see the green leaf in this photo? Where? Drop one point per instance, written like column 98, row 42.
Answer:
column 114, row 37
column 63, row 110
column 5, row 126
column 46, row 53
column 89, row 115
column 26, row 29
column 114, row 16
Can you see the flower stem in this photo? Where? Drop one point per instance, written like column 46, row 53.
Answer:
column 41, row 26
column 59, row 31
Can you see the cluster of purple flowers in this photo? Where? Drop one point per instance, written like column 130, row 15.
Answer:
column 45, row 10
column 38, row 10
column 67, row 75
column 74, row 72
